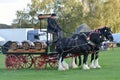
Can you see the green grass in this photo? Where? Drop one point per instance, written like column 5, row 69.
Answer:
column 109, row 60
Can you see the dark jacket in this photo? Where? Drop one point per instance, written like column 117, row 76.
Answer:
column 52, row 25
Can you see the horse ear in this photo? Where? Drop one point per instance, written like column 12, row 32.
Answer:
column 104, row 26
column 97, row 31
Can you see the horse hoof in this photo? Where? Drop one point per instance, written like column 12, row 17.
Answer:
column 66, row 68
column 92, row 66
column 74, row 66
column 85, row 67
column 61, row 69
column 65, row 65
column 98, row 66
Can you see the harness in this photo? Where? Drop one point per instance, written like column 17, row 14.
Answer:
column 72, row 48
column 93, row 45
column 71, row 45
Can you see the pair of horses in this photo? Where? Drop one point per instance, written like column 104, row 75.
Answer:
column 107, row 33
column 78, row 44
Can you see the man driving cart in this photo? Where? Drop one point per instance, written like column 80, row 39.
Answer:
column 53, row 26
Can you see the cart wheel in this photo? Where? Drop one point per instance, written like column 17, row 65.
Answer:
column 13, row 46
column 25, row 45
column 25, row 61
column 53, row 64
column 38, row 45
column 12, row 62
column 53, row 60
column 39, row 63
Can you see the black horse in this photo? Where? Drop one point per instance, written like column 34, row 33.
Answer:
column 107, row 34
column 78, row 44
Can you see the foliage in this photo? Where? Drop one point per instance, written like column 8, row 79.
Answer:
column 4, row 26
column 72, row 13
column 104, row 13
column 70, row 16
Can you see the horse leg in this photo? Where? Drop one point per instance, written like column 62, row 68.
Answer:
column 64, row 64
column 92, row 65
column 96, row 61
column 85, row 66
column 79, row 58
column 60, row 66
column 73, row 64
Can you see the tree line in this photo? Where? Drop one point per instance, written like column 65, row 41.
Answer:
column 71, row 13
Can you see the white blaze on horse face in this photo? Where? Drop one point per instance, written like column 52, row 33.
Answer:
column 105, row 30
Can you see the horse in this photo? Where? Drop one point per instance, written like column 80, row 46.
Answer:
column 107, row 33
column 78, row 44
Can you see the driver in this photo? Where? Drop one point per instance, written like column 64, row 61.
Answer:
column 53, row 26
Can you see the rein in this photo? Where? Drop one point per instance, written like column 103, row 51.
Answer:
column 72, row 47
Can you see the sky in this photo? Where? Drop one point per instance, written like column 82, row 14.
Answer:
column 8, row 9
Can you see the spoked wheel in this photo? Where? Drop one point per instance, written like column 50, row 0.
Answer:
column 25, row 61
column 39, row 63
column 53, row 64
column 53, row 61
column 12, row 62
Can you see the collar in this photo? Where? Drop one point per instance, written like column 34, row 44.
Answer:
column 91, row 43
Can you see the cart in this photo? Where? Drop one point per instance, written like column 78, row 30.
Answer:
column 25, row 54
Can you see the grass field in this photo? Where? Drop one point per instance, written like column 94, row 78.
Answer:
column 109, row 60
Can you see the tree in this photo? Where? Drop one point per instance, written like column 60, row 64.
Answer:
column 68, row 14
column 29, row 16
column 72, row 13
column 103, row 12
column 22, row 19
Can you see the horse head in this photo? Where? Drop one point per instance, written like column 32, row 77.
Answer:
column 106, row 32
column 96, row 38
